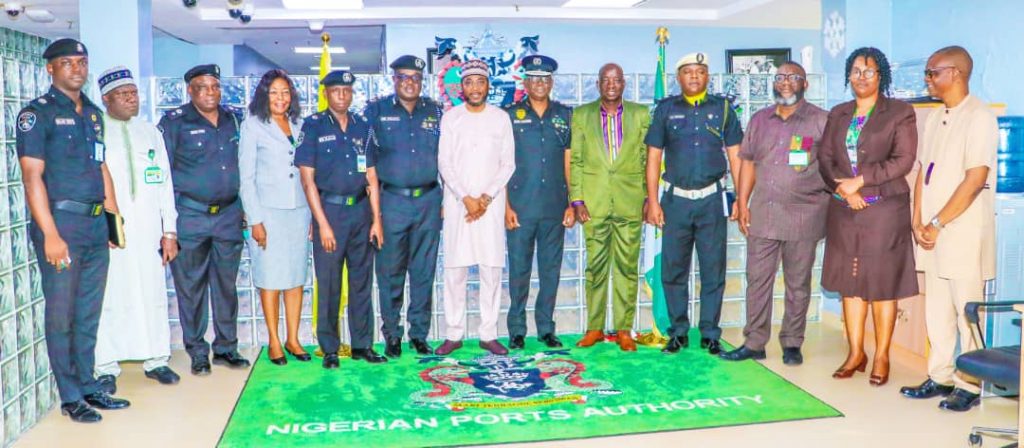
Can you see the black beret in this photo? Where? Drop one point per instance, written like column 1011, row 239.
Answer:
column 408, row 62
column 65, row 47
column 201, row 70
column 338, row 78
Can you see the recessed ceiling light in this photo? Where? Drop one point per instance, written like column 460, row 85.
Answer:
column 318, row 50
column 601, row 3
column 343, row 67
column 322, row 4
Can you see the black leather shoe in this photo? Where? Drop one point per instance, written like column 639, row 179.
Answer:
column 791, row 356
column 421, row 347
column 278, row 361
column 550, row 340
column 393, row 348
column 100, row 400
column 927, row 389
column 714, row 347
column 163, row 375
column 516, row 342
column 676, row 343
column 960, row 401
column 231, row 359
column 331, row 361
column 368, row 355
column 107, row 383
column 80, row 412
column 304, row 357
column 200, row 366
column 742, row 354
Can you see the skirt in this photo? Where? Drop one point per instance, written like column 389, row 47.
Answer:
column 870, row 253
column 284, row 263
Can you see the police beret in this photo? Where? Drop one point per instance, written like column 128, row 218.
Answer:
column 408, row 62
column 65, row 47
column 538, row 65
column 338, row 78
column 201, row 70
column 693, row 58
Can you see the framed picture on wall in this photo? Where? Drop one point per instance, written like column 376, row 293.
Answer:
column 755, row 61
column 435, row 63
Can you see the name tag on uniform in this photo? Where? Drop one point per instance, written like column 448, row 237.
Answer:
column 97, row 152
column 386, row 118
column 799, row 158
column 327, row 138
column 676, row 117
column 526, row 121
column 154, row 175
column 361, row 162
column 65, row 121
column 197, row 131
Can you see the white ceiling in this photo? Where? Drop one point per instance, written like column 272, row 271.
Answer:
column 274, row 30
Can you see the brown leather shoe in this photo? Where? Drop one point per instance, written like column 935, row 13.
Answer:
column 626, row 342
column 590, row 338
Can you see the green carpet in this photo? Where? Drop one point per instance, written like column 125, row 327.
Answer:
column 532, row 395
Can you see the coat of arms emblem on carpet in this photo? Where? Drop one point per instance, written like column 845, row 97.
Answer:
column 494, row 382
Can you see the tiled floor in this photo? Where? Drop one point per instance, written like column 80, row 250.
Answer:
column 193, row 413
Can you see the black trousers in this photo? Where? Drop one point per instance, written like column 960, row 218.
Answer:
column 205, row 272
column 702, row 224
column 548, row 235
column 74, row 299
column 351, row 226
column 412, row 231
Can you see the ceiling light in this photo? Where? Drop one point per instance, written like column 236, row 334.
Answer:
column 601, row 3
column 318, row 50
column 322, row 4
column 316, row 26
column 40, row 15
column 343, row 67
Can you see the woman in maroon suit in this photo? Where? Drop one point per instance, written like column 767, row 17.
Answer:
column 867, row 149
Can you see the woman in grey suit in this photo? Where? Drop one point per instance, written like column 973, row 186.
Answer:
column 275, row 207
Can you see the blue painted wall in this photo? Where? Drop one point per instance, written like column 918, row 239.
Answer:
column 992, row 30
column 174, row 56
column 583, row 48
column 249, row 62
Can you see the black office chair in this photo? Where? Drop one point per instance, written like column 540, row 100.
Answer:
column 998, row 366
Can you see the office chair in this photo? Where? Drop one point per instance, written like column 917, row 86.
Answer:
column 999, row 366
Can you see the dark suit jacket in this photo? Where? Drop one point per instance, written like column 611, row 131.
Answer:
column 886, row 150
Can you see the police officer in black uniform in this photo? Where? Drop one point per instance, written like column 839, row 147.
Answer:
column 691, row 129
column 202, row 143
column 537, row 210
column 67, row 185
column 407, row 127
column 337, row 160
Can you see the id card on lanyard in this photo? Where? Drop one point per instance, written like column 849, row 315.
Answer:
column 153, row 174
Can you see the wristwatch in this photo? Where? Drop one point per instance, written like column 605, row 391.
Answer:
column 936, row 223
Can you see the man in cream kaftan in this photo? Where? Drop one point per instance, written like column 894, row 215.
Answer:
column 133, row 323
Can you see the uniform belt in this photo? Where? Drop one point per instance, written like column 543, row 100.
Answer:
column 79, row 208
column 211, row 209
column 699, row 193
column 414, row 192
column 342, row 199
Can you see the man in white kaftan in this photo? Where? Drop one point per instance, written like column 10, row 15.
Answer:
column 476, row 158
column 133, row 322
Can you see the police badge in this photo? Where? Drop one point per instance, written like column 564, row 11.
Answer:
column 520, row 114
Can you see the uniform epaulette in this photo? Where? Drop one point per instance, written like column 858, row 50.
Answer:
column 174, row 114
column 669, row 98
column 42, row 101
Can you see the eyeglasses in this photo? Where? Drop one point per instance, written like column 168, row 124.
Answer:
column 863, row 74
column 400, row 78
column 539, row 79
column 792, row 77
column 930, row 73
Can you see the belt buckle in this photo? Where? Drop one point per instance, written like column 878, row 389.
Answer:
column 417, row 192
column 97, row 209
column 350, row 200
column 213, row 209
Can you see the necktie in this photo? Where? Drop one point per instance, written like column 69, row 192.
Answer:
column 127, row 137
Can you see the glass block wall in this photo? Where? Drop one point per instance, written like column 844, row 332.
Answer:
column 27, row 389
column 752, row 93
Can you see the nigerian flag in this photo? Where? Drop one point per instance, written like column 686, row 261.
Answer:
column 652, row 234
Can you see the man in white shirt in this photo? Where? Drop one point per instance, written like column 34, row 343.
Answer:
column 476, row 158
column 133, row 323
